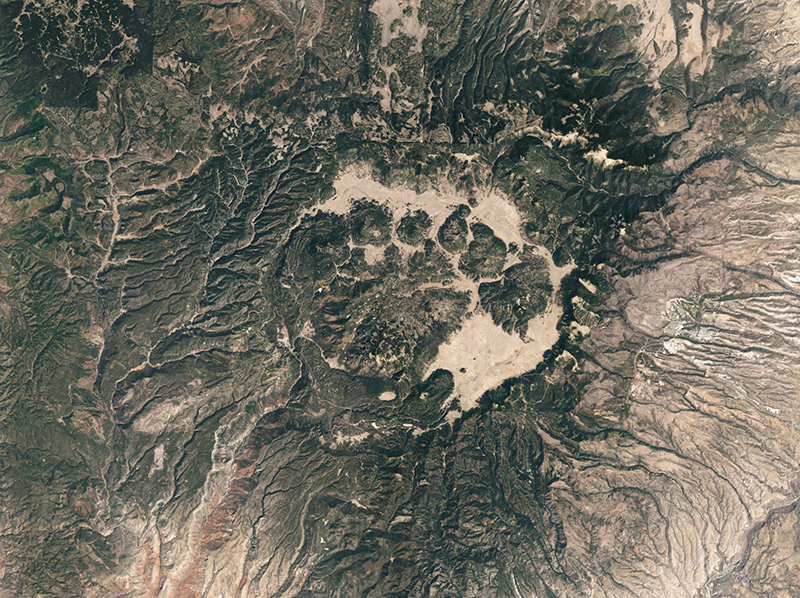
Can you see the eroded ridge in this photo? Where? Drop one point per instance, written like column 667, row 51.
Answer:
column 708, row 416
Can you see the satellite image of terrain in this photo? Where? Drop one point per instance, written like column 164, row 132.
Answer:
column 399, row 298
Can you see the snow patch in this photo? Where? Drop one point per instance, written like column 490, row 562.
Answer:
column 600, row 157
column 673, row 346
column 588, row 286
column 158, row 459
column 342, row 439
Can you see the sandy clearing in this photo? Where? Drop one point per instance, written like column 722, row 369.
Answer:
column 501, row 216
column 493, row 209
column 372, row 253
column 392, row 12
column 355, row 183
column 154, row 421
column 490, row 355
column 693, row 44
